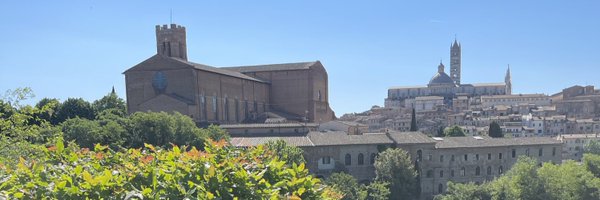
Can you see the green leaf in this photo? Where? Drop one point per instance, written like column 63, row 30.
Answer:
column 60, row 185
column 60, row 146
column 19, row 195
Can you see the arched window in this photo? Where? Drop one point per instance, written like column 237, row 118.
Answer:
column 462, row 171
column 489, row 170
column 373, row 155
column 440, row 188
column 441, row 173
column 361, row 159
column 451, row 173
column 500, row 170
column 348, row 159
column 419, row 155
column 477, row 171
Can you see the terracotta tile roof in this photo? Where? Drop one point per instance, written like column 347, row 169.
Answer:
column 272, row 67
column 298, row 141
column 471, row 142
column 331, row 138
column 410, row 138
column 219, row 71
column 197, row 66
column 266, row 125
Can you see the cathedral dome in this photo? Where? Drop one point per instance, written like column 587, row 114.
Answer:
column 441, row 78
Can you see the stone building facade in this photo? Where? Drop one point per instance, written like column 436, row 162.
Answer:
column 437, row 160
column 169, row 82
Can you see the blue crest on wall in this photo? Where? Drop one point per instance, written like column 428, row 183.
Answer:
column 159, row 82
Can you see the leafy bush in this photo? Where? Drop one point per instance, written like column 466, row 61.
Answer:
column 221, row 171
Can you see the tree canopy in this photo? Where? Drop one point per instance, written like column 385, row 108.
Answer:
column 527, row 180
column 394, row 166
column 291, row 154
column 454, row 131
column 495, row 131
column 413, row 121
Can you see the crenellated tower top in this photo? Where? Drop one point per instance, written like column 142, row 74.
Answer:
column 171, row 41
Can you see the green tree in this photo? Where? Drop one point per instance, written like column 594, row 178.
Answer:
column 110, row 101
column 161, row 129
column 290, row 154
column 74, row 107
column 440, row 132
column 520, row 182
column 378, row 190
column 592, row 163
column 395, row 167
column 216, row 133
column 469, row 191
column 413, row 121
column 568, row 181
column 16, row 96
column 592, row 147
column 346, row 184
column 495, row 131
column 86, row 133
column 454, row 131
column 17, row 122
column 50, row 107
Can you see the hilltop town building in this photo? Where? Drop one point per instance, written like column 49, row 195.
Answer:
column 448, row 87
column 169, row 82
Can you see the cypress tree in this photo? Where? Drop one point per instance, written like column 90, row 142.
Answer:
column 413, row 121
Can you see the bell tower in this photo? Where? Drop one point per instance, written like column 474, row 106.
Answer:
column 455, row 62
column 508, row 81
column 170, row 41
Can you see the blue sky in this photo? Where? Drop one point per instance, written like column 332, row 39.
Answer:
column 67, row 49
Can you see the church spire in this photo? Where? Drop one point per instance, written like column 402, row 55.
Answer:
column 113, row 90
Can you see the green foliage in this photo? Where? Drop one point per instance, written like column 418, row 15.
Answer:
column 74, row 107
column 454, row 131
column 495, row 131
column 521, row 182
column 16, row 96
column 378, row 190
column 413, row 121
column 216, row 133
column 87, row 133
column 395, row 167
column 469, row 191
column 49, row 107
column 161, row 129
column 592, row 163
column 592, row 147
column 290, row 154
column 110, row 101
column 440, row 132
column 526, row 180
column 345, row 184
column 219, row 172
column 351, row 190
column 568, row 181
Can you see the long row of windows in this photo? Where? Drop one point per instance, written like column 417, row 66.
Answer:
column 476, row 156
column 463, row 172
column 226, row 106
column 361, row 159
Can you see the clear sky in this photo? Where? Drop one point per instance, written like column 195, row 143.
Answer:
column 67, row 49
